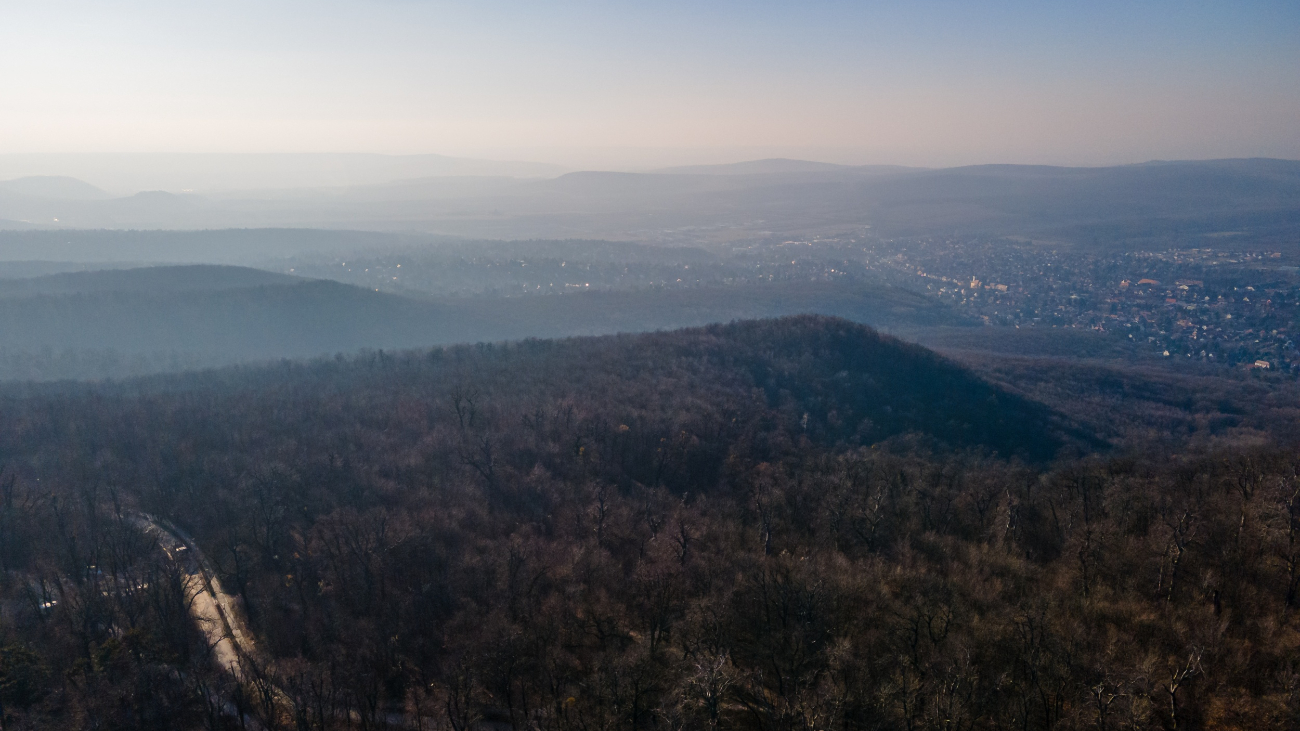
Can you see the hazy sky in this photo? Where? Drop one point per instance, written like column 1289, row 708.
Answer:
column 635, row 83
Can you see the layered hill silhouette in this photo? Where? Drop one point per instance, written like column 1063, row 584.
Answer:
column 52, row 187
column 224, row 246
column 143, row 280
column 213, row 315
column 1151, row 204
column 756, row 167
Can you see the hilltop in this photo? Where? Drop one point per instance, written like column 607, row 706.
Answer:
column 782, row 516
column 53, row 187
column 156, row 279
column 830, row 380
column 62, row 325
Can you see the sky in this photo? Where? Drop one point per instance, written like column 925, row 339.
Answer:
column 638, row 84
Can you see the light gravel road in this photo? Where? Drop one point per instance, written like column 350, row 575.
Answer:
column 214, row 610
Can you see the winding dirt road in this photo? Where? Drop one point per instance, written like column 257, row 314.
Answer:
column 218, row 616
column 215, row 611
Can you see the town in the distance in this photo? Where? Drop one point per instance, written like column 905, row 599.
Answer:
column 1216, row 305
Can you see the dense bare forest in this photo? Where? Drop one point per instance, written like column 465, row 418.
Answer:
column 789, row 524
column 649, row 366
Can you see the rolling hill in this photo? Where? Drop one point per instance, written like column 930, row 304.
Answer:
column 755, row 167
column 128, row 173
column 843, row 382
column 1151, row 205
column 409, row 496
column 52, row 187
column 211, row 315
column 155, row 280
column 226, row 246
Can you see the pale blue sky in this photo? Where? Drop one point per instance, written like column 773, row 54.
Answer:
column 633, row 83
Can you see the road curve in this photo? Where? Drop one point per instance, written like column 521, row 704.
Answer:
column 217, row 615
column 213, row 610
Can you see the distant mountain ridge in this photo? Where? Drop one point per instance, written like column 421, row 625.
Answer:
column 753, row 167
column 232, row 314
column 154, row 280
column 221, row 246
column 53, row 187
column 1154, row 204
column 127, row 173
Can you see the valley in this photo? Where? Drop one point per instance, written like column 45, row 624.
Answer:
column 718, row 476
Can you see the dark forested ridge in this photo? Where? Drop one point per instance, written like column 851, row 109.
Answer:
column 842, row 383
column 785, row 524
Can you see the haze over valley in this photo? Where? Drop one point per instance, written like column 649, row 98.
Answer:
column 725, row 366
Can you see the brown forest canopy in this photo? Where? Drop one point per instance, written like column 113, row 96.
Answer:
column 783, row 524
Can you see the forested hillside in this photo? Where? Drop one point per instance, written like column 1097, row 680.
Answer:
column 789, row 524
column 117, row 323
column 156, row 279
